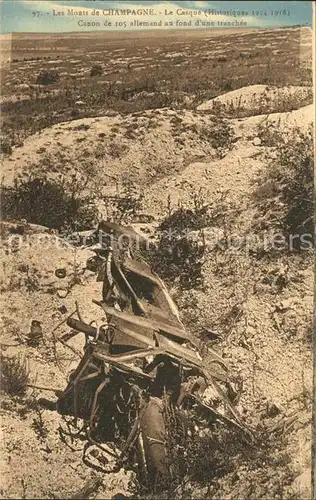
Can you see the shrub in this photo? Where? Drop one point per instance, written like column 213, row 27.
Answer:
column 130, row 202
column 179, row 257
column 207, row 455
column 5, row 145
column 224, row 462
column 47, row 77
column 269, row 134
column 49, row 203
column 284, row 196
column 180, row 249
column 116, row 149
column 82, row 126
column 75, row 113
column 186, row 219
column 14, row 375
column 123, row 208
column 38, row 425
column 220, row 135
column 96, row 70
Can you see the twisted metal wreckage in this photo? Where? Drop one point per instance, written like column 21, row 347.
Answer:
column 142, row 374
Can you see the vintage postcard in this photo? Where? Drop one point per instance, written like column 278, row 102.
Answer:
column 157, row 245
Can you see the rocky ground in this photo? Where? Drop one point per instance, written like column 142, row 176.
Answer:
column 259, row 309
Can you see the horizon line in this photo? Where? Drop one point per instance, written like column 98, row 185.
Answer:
column 157, row 30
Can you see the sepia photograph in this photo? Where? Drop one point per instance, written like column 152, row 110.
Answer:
column 157, row 249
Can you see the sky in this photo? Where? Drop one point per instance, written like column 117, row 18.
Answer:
column 42, row 15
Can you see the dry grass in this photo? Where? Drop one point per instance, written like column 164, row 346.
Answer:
column 14, row 375
column 55, row 204
column 145, row 74
column 284, row 194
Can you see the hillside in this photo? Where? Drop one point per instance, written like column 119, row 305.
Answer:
column 220, row 147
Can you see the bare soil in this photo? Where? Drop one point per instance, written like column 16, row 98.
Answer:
column 261, row 309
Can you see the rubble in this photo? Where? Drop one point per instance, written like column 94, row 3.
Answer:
column 142, row 339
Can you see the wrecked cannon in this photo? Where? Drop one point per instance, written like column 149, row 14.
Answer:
column 143, row 376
